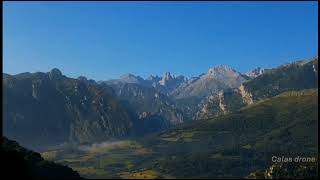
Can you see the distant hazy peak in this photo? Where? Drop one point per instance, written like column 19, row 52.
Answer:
column 5, row 75
column 82, row 78
column 128, row 75
column 152, row 77
column 55, row 73
column 167, row 76
column 130, row 78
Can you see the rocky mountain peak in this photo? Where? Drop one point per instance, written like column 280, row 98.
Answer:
column 55, row 73
column 130, row 78
column 255, row 72
column 128, row 75
column 220, row 69
column 82, row 78
column 166, row 77
column 153, row 78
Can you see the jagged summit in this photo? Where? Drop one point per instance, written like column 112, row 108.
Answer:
column 255, row 72
column 154, row 78
column 165, row 78
column 167, row 75
column 128, row 75
column 130, row 78
column 220, row 69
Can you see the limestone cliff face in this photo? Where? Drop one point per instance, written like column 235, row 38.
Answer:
column 255, row 72
column 169, row 83
column 246, row 96
column 210, row 107
column 220, row 103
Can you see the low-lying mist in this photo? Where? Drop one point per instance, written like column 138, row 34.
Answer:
column 82, row 147
column 96, row 146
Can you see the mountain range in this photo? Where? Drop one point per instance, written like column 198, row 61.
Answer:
column 220, row 124
column 56, row 109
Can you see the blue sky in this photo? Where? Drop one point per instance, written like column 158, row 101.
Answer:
column 103, row 40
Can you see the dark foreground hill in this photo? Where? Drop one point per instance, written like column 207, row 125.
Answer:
column 20, row 162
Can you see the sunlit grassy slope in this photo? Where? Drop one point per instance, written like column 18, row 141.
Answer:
column 228, row 146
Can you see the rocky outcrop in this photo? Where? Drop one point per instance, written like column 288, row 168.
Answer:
column 220, row 103
column 166, row 77
column 169, row 83
column 255, row 72
column 246, row 96
column 289, row 170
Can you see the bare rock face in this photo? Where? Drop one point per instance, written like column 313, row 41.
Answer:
column 246, row 96
column 130, row 78
column 220, row 103
column 169, row 83
column 167, row 77
column 144, row 115
column 255, row 72
column 218, row 78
